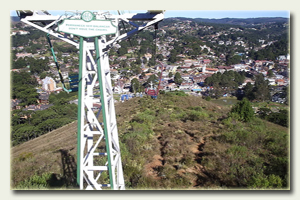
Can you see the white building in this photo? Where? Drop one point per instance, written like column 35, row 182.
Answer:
column 48, row 84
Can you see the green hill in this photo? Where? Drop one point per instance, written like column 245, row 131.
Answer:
column 174, row 142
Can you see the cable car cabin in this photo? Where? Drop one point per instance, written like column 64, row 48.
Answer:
column 151, row 91
column 73, row 81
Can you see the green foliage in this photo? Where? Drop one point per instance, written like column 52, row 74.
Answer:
column 136, row 86
column 246, row 156
column 176, row 93
column 23, row 88
column 266, row 182
column 242, row 111
column 231, row 60
column 35, row 182
column 248, row 92
column 261, row 91
column 208, row 98
column 193, row 115
column 41, row 122
column 177, row 78
column 272, row 51
column 281, row 117
column 62, row 97
column 227, row 82
column 24, row 156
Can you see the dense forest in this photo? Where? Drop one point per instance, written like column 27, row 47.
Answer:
column 28, row 124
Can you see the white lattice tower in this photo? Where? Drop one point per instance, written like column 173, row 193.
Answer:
column 99, row 162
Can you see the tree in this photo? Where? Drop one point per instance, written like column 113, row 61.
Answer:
column 248, row 91
column 270, row 73
column 122, row 51
column 153, row 78
column 261, row 89
column 172, row 57
column 135, row 86
column 242, row 111
column 160, row 57
column 231, row 60
column 170, row 75
column 177, row 78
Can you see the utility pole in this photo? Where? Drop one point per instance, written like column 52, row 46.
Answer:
column 99, row 162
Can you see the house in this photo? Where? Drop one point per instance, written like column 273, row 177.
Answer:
column 187, row 62
column 44, row 98
column 20, row 48
column 280, row 82
column 148, row 56
column 271, row 81
column 248, row 80
column 186, row 85
column 48, row 84
column 171, row 68
column 15, row 70
column 240, row 67
column 185, row 77
column 222, row 69
column 228, row 43
column 130, row 51
column 206, row 70
column 206, row 61
column 21, row 32
column 114, row 73
column 281, row 57
column 122, row 58
column 37, row 107
column 22, row 55
column 180, row 56
column 13, row 33
column 15, row 104
column 65, row 55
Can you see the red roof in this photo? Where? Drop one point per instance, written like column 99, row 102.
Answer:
column 211, row 69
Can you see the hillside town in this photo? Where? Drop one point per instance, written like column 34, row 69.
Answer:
column 188, row 103
column 192, row 68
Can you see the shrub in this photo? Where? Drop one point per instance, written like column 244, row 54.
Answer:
column 208, row 98
column 242, row 111
column 36, row 182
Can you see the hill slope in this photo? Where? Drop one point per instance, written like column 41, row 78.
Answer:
column 174, row 142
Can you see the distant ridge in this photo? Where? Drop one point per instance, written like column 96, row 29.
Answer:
column 238, row 21
column 14, row 19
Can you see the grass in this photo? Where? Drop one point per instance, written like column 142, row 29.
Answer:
column 42, row 154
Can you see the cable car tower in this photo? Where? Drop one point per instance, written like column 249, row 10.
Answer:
column 98, row 151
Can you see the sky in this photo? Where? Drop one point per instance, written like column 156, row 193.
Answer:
column 212, row 14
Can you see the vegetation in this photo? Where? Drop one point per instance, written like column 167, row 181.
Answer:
column 185, row 142
column 281, row 117
column 27, row 125
column 242, row 111
column 177, row 78
column 23, row 88
column 260, row 91
column 227, row 82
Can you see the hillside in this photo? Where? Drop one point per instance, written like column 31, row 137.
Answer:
column 174, row 142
